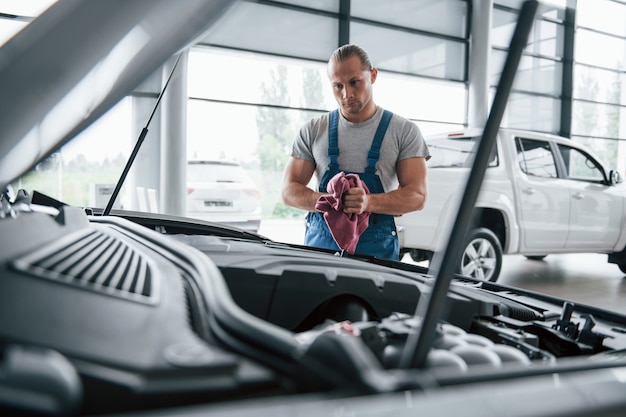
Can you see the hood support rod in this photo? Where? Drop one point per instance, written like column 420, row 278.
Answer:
column 140, row 140
column 443, row 266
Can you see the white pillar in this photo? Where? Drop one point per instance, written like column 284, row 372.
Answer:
column 480, row 49
column 173, row 190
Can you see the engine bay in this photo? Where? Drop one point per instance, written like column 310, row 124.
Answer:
column 106, row 315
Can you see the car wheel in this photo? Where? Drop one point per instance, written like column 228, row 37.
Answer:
column 536, row 257
column 419, row 255
column 482, row 256
column 622, row 267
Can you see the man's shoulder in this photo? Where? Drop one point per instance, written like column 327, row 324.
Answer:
column 403, row 127
column 318, row 122
column 397, row 117
column 401, row 122
column 315, row 127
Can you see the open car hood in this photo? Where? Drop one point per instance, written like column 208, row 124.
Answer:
column 77, row 60
column 144, row 314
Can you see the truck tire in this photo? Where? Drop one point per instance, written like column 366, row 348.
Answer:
column 482, row 255
column 419, row 255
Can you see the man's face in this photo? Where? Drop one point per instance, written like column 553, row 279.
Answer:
column 352, row 87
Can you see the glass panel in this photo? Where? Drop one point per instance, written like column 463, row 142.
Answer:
column 410, row 53
column 220, row 131
column 447, row 17
column 219, row 75
column 328, row 5
column 502, row 27
column 276, row 30
column 596, row 119
column 253, row 78
column 535, row 158
column 554, row 9
column 96, row 157
column 604, row 15
column 608, row 151
column 534, row 74
column 524, row 111
column 430, row 128
column 260, row 138
column 600, row 50
column 546, row 38
column 421, row 99
column 579, row 166
column 596, row 84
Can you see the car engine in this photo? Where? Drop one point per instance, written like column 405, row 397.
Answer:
column 106, row 314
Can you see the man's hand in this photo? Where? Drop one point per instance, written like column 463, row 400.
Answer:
column 355, row 200
column 410, row 196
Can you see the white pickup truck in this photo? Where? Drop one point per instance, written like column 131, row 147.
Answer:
column 541, row 195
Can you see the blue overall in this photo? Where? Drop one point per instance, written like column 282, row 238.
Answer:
column 380, row 239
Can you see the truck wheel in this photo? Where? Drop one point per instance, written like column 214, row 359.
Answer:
column 482, row 256
column 419, row 255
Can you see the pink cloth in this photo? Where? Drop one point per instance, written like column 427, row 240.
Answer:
column 346, row 228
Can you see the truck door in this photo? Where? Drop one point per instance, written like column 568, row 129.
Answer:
column 596, row 208
column 544, row 198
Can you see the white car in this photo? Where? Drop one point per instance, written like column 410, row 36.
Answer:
column 541, row 194
column 223, row 192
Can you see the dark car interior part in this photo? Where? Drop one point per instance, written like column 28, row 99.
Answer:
column 38, row 379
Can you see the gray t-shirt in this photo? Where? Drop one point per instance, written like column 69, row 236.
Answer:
column 402, row 140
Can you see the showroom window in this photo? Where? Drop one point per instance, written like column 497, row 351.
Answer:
column 599, row 94
column 260, row 73
column 249, row 107
column 535, row 100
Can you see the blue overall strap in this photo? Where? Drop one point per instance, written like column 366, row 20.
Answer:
column 374, row 153
column 333, row 141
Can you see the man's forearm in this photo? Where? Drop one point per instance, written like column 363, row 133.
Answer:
column 300, row 196
column 397, row 202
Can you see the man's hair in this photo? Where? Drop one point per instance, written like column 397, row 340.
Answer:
column 345, row 52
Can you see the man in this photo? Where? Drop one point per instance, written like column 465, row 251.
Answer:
column 387, row 151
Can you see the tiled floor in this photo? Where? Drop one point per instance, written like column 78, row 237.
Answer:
column 583, row 278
